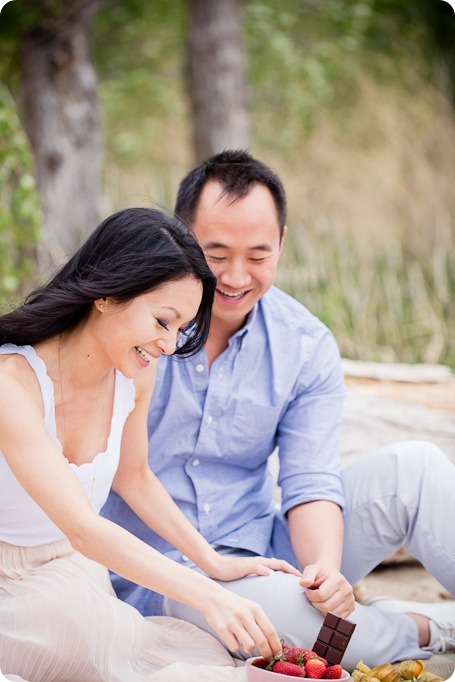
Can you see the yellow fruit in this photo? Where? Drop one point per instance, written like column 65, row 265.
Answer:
column 358, row 676
column 363, row 668
column 386, row 673
column 410, row 670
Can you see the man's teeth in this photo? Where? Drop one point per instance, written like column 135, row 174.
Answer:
column 225, row 293
column 143, row 353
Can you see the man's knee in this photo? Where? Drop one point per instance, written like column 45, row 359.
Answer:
column 418, row 458
column 412, row 454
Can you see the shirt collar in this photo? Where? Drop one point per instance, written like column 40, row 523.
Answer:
column 243, row 331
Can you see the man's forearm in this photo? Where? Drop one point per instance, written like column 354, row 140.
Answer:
column 316, row 531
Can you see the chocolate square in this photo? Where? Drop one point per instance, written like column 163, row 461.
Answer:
column 325, row 634
column 333, row 638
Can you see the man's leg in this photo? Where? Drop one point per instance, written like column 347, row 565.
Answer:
column 402, row 494
column 379, row 636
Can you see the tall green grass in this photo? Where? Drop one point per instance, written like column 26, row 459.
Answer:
column 389, row 306
column 371, row 243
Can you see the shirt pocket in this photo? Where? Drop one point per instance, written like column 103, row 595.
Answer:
column 251, row 433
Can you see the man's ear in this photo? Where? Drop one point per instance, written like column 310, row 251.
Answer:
column 283, row 237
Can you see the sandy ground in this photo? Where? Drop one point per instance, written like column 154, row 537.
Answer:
column 409, row 580
column 402, row 581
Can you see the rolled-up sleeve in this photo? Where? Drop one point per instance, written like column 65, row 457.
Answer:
column 308, row 432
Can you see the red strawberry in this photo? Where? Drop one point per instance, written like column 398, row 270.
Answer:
column 286, row 668
column 309, row 654
column 333, row 672
column 294, row 654
column 261, row 662
column 315, row 668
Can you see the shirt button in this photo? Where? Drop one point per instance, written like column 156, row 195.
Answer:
column 199, row 368
column 209, row 419
column 195, row 462
column 184, row 557
column 207, row 508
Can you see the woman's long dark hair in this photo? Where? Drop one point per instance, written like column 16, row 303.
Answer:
column 130, row 253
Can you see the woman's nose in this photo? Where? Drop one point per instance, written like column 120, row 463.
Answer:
column 167, row 345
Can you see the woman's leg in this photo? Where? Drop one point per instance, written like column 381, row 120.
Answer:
column 60, row 621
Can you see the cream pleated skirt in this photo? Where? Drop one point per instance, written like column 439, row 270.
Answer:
column 60, row 621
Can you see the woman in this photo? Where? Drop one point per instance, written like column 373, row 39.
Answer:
column 76, row 377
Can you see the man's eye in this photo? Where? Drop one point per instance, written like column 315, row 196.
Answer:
column 162, row 324
column 215, row 259
column 258, row 260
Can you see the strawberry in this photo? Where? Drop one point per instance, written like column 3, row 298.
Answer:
column 286, row 668
column 312, row 654
column 261, row 663
column 315, row 668
column 294, row 654
column 333, row 672
column 309, row 654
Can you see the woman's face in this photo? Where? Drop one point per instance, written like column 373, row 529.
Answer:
column 148, row 326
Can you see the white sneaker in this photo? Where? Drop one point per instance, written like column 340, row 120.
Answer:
column 441, row 615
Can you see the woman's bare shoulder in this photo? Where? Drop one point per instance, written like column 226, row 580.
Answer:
column 15, row 371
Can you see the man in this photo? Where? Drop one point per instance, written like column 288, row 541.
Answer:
column 270, row 376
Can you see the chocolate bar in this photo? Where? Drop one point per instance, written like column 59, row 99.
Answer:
column 333, row 638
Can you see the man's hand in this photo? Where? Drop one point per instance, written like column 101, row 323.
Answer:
column 328, row 590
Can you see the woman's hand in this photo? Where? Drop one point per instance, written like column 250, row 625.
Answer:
column 241, row 623
column 232, row 568
column 328, row 590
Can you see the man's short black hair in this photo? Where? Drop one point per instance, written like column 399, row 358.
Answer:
column 237, row 172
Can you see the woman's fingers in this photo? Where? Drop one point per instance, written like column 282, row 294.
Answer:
column 233, row 568
column 269, row 643
column 262, row 566
column 262, row 636
column 281, row 565
column 244, row 624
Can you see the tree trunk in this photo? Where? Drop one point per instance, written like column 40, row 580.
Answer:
column 216, row 76
column 62, row 120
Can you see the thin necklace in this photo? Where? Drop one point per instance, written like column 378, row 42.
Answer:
column 103, row 415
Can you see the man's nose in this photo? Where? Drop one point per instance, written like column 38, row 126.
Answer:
column 235, row 275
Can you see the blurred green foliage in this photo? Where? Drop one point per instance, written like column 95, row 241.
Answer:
column 306, row 56
column 20, row 213
column 307, row 65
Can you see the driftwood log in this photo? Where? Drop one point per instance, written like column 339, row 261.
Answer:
column 387, row 403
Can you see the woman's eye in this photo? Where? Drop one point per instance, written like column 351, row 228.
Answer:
column 163, row 324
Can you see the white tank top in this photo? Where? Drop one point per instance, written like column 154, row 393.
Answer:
column 22, row 521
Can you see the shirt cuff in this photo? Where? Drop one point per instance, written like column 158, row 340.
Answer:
column 311, row 487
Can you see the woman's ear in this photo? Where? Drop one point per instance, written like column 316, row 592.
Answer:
column 100, row 304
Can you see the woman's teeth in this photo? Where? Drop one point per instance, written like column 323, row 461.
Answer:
column 143, row 353
column 225, row 293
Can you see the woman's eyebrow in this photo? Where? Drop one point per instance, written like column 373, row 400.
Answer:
column 173, row 310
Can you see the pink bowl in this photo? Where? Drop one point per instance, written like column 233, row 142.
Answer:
column 254, row 674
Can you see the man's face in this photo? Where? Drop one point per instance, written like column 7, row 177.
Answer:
column 241, row 242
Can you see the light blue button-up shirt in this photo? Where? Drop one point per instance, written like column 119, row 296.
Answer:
column 211, row 431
